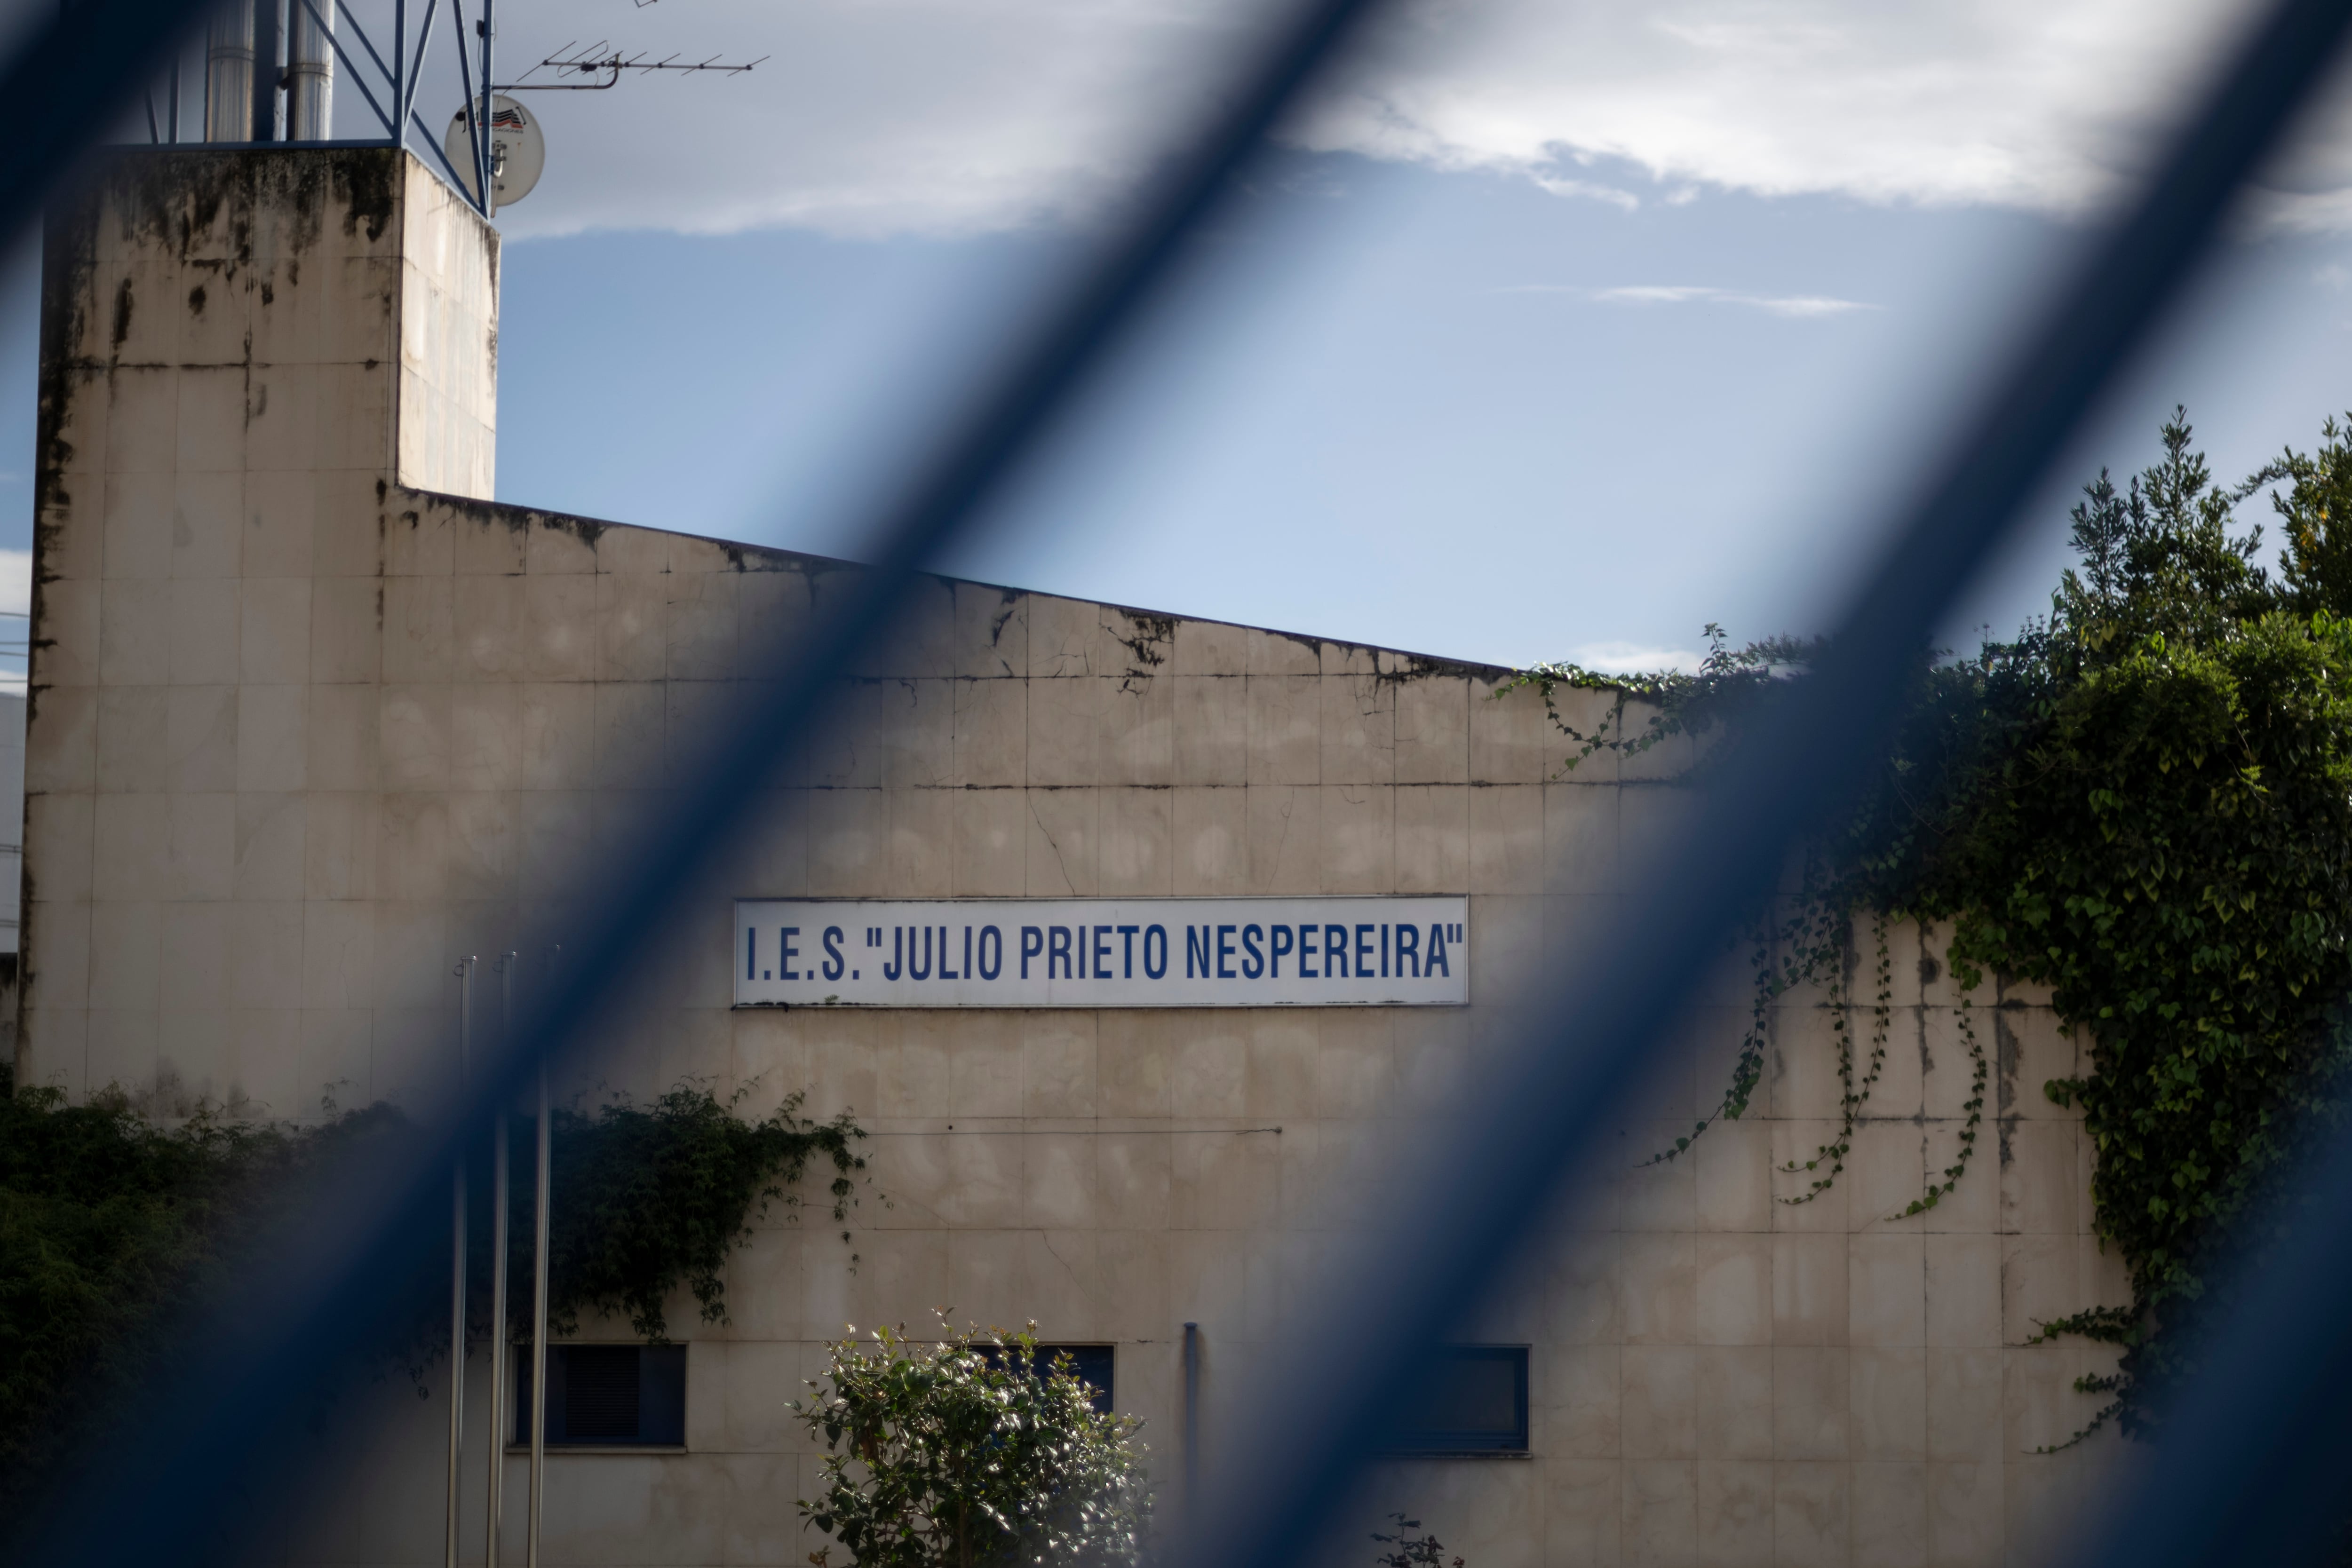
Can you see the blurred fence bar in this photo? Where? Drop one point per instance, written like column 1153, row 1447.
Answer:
column 1550, row 1094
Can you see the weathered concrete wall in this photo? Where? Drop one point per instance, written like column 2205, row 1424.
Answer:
column 304, row 734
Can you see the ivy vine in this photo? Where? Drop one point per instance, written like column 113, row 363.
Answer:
column 649, row 1198
column 2143, row 801
column 111, row 1225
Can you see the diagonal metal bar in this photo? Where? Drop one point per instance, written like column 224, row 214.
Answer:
column 1823, row 732
column 440, row 153
column 477, row 188
column 350, row 66
column 211, row 1434
column 416, row 66
column 360, row 32
column 1564, row 1085
column 2249, row 1468
column 70, row 78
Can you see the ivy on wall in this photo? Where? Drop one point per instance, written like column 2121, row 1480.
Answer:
column 2143, row 802
column 652, row 1197
column 106, row 1223
column 110, row 1226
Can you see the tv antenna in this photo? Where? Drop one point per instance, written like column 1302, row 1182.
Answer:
column 601, row 58
column 514, row 151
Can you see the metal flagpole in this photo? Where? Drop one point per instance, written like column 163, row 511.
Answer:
column 458, row 1263
column 497, row 1443
column 1192, row 1421
column 540, row 1228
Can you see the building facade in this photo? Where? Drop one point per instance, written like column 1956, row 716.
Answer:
column 312, row 719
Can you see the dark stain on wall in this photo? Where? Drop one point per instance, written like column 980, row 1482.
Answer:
column 1149, row 639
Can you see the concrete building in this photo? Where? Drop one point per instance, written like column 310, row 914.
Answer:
column 312, row 719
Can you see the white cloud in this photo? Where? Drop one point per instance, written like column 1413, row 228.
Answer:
column 15, row 590
column 2052, row 105
column 1636, row 658
column 15, row 594
column 1793, row 305
column 944, row 116
column 1558, row 186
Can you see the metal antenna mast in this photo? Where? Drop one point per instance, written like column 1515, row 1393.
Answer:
column 603, row 58
column 269, row 69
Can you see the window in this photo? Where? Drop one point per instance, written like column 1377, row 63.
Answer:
column 1473, row 1400
column 1093, row 1364
column 607, row 1396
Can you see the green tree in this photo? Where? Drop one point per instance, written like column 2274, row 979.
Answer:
column 2317, row 514
column 967, row 1452
column 2143, row 801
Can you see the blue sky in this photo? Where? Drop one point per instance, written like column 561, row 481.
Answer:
column 1519, row 361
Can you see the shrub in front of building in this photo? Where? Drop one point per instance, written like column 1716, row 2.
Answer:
column 970, row 1451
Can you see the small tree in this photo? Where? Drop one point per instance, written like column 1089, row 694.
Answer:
column 966, row 1453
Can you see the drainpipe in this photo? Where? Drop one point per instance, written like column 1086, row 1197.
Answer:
column 457, row 1264
column 538, row 1296
column 1192, row 1415
column 497, row 1443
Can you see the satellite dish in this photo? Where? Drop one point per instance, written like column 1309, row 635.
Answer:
column 518, row 151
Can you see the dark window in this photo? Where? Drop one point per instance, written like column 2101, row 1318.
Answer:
column 607, row 1396
column 1472, row 1399
column 1092, row 1363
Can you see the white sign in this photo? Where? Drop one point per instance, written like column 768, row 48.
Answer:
column 1102, row 952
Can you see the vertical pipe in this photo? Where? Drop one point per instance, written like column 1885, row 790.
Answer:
column 457, row 1265
column 497, row 1443
column 488, row 140
column 539, row 1226
column 1192, row 1415
column 268, row 65
column 229, row 73
column 400, row 72
column 310, row 72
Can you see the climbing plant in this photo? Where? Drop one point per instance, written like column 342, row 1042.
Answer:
column 111, row 1225
column 108, row 1222
column 652, row 1197
column 2142, row 801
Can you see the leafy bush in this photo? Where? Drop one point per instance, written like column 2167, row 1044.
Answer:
column 108, row 1223
column 966, row 1453
column 2145, row 803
